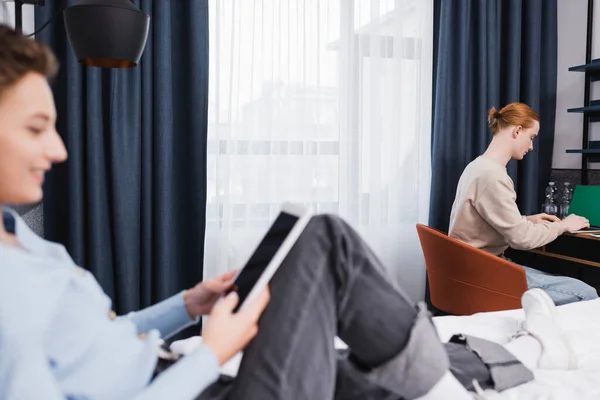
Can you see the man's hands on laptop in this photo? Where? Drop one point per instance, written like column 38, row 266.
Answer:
column 226, row 333
column 574, row 223
column 538, row 218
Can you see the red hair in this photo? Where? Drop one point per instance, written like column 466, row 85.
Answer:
column 512, row 114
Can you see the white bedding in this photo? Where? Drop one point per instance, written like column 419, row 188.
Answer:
column 581, row 322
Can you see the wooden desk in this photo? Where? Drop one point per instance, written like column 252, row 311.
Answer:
column 576, row 255
column 580, row 248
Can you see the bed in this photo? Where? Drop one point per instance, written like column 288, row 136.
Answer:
column 581, row 322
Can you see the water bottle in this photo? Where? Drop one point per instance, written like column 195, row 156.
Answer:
column 565, row 200
column 549, row 207
column 554, row 190
column 569, row 189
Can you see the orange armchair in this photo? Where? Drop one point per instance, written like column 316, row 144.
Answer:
column 464, row 280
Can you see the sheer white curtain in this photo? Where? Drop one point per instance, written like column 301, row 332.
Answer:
column 326, row 102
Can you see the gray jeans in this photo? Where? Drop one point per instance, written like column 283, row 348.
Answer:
column 332, row 284
column 562, row 289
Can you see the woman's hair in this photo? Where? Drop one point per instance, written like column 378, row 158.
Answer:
column 512, row 115
column 20, row 55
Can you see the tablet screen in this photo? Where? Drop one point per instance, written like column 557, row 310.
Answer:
column 263, row 254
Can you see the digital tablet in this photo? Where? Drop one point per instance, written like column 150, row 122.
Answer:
column 270, row 252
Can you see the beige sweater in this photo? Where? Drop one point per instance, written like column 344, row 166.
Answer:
column 485, row 213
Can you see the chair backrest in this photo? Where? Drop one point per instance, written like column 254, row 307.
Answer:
column 464, row 280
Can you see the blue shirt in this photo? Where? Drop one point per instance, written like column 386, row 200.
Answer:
column 58, row 341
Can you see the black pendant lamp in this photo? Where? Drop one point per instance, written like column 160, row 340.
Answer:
column 107, row 33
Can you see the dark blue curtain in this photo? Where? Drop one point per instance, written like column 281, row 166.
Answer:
column 490, row 53
column 129, row 204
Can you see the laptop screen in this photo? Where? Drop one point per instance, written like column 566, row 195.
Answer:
column 586, row 203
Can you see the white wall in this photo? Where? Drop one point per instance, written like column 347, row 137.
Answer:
column 572, row 31
column 9, row 18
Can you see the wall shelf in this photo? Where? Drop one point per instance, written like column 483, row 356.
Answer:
column 587, row 109
column 583, row 151
column 590, row 154
column 593, row 66
column 590, row 149
column 592, row 70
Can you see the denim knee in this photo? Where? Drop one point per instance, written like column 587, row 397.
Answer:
column 328, row 219
column 588, row 292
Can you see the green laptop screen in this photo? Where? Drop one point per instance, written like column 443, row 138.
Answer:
column 586, row 203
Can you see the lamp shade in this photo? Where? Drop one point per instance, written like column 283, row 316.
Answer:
column 107, row 33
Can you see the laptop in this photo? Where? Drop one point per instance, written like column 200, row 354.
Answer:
column 586, row 203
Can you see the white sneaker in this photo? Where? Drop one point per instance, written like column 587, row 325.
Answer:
column 541, row 323
column 536, row 301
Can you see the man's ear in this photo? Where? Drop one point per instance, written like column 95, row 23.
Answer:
column 517, row 130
